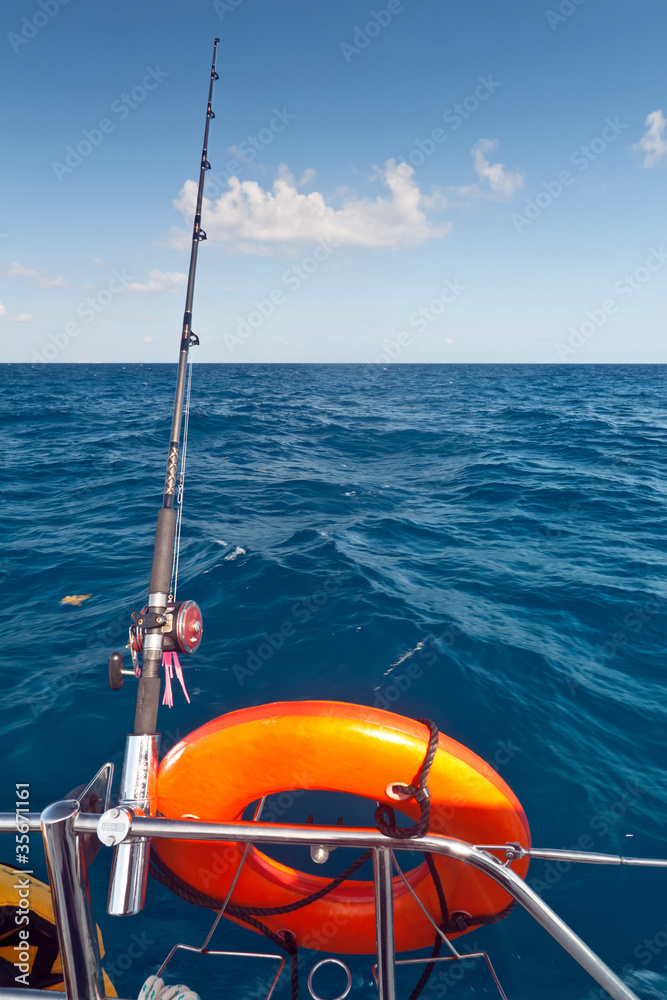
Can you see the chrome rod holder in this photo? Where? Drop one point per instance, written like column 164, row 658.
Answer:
column 129, row 873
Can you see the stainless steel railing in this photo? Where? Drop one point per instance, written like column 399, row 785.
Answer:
column 65, row 827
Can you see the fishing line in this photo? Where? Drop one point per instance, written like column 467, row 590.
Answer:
column 181, row 486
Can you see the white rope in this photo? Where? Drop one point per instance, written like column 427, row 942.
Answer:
column 155, row 989
column 181, row 485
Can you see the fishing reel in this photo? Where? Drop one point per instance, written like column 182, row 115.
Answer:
column 181, row 624
column 182, row 630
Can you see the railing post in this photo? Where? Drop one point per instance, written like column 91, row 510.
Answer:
column 384, row 923
column 77, row 935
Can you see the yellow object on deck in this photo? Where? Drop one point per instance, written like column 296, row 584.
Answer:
column 29, row 955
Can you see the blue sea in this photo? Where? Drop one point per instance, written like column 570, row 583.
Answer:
column 490, row 541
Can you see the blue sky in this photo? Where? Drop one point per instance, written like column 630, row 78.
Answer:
column 407, row 181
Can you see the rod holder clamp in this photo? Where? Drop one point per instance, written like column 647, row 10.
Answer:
column 114, row 826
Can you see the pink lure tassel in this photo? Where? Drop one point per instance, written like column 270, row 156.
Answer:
column 171, row 665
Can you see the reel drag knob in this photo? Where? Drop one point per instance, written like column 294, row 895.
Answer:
column 116, row 678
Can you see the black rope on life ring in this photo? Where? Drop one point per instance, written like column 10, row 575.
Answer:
column 419, row 792
column 450, row 923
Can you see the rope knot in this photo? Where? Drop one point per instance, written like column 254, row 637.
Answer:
column 459, row 921
column 385, row 818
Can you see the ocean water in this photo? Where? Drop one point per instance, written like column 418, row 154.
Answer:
column 490, row 541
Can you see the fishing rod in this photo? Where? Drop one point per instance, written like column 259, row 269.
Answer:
column 154, row 630
column 163, row 625
column 152, row 621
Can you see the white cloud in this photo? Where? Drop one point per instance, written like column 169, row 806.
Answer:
column 250, row 217
column 257, row 249
column 160, row 281
column 307, row 176
column 16, row 268
column 502, row 183
column 21, row 318
column 653, row 143
column 238, row 154
column 98, row 260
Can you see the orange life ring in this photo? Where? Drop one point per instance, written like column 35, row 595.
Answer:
column 218, row 770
